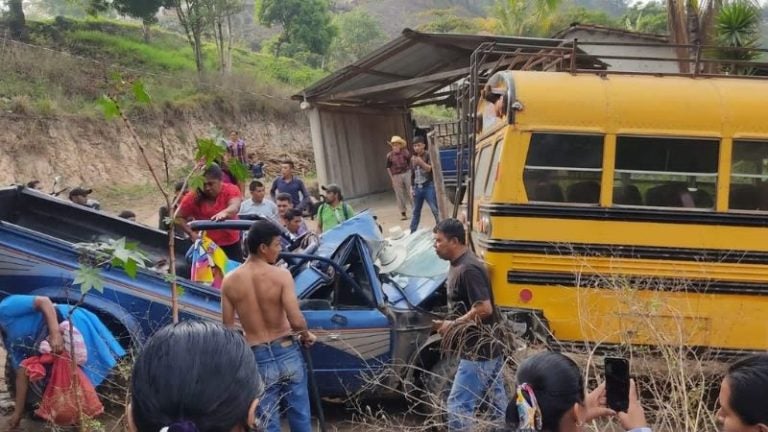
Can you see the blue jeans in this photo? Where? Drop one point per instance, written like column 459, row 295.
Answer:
column 474, row 381
column 285, row 378
column 420, row 194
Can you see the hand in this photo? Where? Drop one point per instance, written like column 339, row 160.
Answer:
column 307, row 339
column 595, row 405
column 56, row 342
column 442, row 326
column 416, row 160
column 635, row 416
column 413, row 192
column 220, row 216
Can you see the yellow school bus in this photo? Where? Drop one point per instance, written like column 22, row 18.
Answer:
column 626, row 209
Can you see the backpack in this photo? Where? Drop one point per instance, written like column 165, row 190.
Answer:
column 344, row 208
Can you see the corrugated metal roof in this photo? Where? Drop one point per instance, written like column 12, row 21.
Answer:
column 411, row 68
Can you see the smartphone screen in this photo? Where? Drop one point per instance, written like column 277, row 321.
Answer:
column 617, row 383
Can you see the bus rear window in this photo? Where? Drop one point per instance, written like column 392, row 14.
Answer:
column 666, row 172
column 564, row 168
column 749, row 176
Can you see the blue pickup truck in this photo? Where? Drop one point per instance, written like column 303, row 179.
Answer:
column 371, row 327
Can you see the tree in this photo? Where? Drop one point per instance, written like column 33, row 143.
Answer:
column 648, row 18
column 525, row 17
column 448, row 21
column 691, row 22
column 305, row 23
column 221, row 13
column 563, row 18
column 738, row 26
column 359, row 34
column 17, row 23
column 145, row 10
column 194, row 20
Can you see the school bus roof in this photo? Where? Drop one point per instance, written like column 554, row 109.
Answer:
column 641, row 104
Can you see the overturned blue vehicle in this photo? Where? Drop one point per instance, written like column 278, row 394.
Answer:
column 373, row 327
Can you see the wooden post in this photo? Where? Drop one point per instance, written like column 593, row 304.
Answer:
column 437, row 175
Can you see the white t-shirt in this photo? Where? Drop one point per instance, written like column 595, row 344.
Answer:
column 265, row 208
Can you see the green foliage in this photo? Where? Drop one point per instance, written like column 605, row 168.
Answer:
column 738, row 26
column 209, row 151
column 238, row 170
column 448, row 21
column 525, row 17
column 358, row 34
column 140, row 93
column 109, row 107
column 563, row 18
column 305, row 23
column 94, row 256
column 647, row 18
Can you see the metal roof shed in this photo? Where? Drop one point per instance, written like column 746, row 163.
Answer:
column 354, row 111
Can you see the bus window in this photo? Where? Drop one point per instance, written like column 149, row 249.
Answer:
column 665, row 172
column 481, row 170
column 749, row 176
column 564, row 168
column 491, row 181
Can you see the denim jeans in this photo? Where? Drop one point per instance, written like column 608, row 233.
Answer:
column 474, row 381
column 420, row 194
column 285, row 377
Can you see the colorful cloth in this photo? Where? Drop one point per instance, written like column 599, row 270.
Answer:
column 237, row 150
column 209, row 262
column 81, row 352
column 23, row 324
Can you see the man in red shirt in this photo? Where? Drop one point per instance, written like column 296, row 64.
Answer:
column 217, row 201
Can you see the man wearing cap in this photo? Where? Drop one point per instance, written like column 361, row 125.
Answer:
column 333, row 211
column 79, row 196
column 399, row 169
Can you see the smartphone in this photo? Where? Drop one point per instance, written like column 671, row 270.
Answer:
column 617, row 383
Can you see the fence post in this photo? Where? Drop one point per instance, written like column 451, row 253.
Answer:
column 437, row 175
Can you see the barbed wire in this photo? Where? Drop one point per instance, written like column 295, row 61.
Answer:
column 5, row 41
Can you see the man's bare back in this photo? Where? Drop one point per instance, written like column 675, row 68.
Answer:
column 264, row 298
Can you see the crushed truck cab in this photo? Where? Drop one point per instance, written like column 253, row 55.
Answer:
column 374, row 330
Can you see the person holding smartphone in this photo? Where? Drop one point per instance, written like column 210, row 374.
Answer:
column 550, row 396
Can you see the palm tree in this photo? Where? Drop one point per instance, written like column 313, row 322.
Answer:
column 691, row 22
column 738, row 26
column 524, row 17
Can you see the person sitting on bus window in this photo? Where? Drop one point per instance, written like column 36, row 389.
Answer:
column 743, row 396
column 550, row 396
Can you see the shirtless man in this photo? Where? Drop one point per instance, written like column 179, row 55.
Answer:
column 264, row 298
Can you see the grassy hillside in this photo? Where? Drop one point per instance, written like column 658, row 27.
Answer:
column 39, row 79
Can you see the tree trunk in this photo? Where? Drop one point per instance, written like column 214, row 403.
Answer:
column 16, row 20
column 229, row 44
column 145, row 28
column 198, row 49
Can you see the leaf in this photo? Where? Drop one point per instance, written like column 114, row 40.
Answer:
column 208, row 151
column 88, row 278
column 238, row 170
column 131, row 268
column 196, row 182
column 109, row 107
column 140, row 93
column 169, row 277
column 179, row 290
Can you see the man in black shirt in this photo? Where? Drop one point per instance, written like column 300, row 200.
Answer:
column 473, row 330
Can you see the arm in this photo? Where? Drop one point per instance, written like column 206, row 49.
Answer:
column 479, row 292
column 45, row 306
column 423, row 164
column 233, row 207
column 273, row 189
column 292, row 311
column 180, row 219
column 304, row 194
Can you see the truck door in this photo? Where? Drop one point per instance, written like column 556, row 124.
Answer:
column 354, row 336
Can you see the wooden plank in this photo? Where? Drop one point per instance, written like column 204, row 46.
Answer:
column 437, row 176
column 400, row 84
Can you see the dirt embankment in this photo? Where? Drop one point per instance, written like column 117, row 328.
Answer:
column 99, row 153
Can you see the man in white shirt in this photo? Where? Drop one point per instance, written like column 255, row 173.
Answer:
column 257, row 204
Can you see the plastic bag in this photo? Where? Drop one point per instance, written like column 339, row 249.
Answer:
column 59, row 404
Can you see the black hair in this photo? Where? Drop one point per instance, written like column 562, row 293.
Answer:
column 452, row 228
column 178, row 186
column 748, row 380
column 283, row 196
column 194, row 372
column 491, row 97
column 213, row 171
column 288, row 162
column 126, row 214
column 261, row 233
column 556, row 382
column 33, row 184
column 418, row 139
column 292, row 213
column 255, row 184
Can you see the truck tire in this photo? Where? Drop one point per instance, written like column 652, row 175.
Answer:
column 437, row 387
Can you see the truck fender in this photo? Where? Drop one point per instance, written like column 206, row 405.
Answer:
column 425, row 356
column 103, row 308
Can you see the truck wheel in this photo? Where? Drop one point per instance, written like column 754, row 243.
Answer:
column 437, row 386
